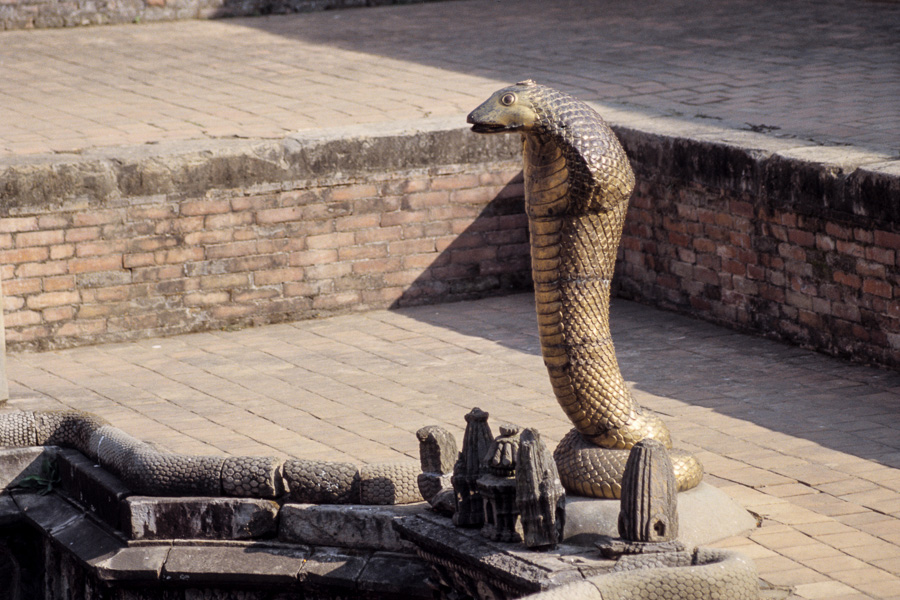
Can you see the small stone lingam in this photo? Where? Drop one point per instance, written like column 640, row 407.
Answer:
column 648, row 515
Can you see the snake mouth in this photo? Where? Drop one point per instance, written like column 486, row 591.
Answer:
column 490, row 128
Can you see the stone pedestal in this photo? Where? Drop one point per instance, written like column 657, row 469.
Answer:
column 705, row 515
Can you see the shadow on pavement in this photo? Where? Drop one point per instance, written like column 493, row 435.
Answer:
column 780, row 389
column 491, row 256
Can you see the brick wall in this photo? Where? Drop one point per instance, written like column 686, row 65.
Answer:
column 157, row 244
column 797, row 250
column 236, row 257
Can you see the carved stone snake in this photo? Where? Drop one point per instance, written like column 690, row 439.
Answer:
column 147, row 470
column 577, row 185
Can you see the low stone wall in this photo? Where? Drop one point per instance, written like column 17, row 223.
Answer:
column 796, row 242
column 779, row 237
column 28, row 14
column 104, row 248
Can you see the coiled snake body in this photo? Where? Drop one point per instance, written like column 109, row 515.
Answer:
column 577, row 185
column 150, row 471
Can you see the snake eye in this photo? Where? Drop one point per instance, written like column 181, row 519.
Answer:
column 508, row 99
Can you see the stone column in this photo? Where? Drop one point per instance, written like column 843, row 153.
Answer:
column 4, row 386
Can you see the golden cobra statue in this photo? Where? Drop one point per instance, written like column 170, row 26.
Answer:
column 577, row 185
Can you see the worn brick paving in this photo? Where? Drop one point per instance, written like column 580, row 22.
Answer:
column 826, row 70
column 808, row 442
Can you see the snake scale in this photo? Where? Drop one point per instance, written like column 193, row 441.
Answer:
column 577, row 185
column 705, row 573
column 146, row 470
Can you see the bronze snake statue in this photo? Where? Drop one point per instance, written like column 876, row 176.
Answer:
column 577, row 185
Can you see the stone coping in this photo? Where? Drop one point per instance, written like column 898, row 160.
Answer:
column 849, row 183
column 147, row 519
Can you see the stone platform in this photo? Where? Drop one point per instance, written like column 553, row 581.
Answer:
column 705, row 515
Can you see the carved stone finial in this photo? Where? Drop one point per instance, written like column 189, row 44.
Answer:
column 501, row 455
column 476, row 441
column 649, row 510
column 540, row 496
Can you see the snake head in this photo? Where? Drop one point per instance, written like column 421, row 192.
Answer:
column 507, row 110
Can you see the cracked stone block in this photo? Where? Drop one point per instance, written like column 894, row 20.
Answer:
column 139, row 563
column 332, row 568
column 151, row 518
column 345, row 526
column 248, row 565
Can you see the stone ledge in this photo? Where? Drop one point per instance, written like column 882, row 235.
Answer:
column 141, row 174
column 108, row 557
column 363, row 527
column 848, row 182
column 41, row 15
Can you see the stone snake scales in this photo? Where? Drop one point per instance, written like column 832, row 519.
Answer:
column 577, row 185
column 147, row 470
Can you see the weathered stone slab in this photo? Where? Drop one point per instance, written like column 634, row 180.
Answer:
column 91, row 486
column 333, row 569
column 139, row 563
column 249, row 565
column 87, row 540
column 151, row 518
column 346, row 525
column 17, row 463
column 49, row 513
column 395, row 576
